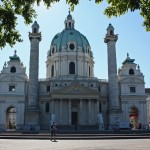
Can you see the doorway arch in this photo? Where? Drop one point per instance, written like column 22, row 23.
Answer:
column 11, row 118
column 134, row 117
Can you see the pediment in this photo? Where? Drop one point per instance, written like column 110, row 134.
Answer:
column 10, row 78
column 131, row 80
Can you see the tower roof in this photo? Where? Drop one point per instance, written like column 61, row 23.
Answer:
column 128, row 60
column 35, row 25
column 15, row 57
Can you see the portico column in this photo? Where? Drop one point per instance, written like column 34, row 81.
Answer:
column 81, row 104
column 61, row 111
column 69, row 108
column 89, row 110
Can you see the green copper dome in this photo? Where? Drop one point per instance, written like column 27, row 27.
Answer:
column 67, row 36
column 69, row 39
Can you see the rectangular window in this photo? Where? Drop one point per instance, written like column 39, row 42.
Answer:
column 48, row 88
column 132, row 89
column 12, row 88
column 47, row 107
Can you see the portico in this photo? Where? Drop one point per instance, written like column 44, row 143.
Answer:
column 75, row 105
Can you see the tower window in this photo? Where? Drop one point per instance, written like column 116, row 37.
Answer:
column 12, row 88
column 72, row 68
column 13, row 69
column 132, row 89
column 111, row 32
column 52, row 71
column 131, row 72
column 35, row 30
column 70, row 24
column 47, row 107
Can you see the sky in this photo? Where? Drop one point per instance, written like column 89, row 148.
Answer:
column 91, row 22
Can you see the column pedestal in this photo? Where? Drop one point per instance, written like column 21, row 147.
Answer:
column 32, row 119
column 114, row 118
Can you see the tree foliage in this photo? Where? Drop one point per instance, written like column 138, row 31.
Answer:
column 11, row 9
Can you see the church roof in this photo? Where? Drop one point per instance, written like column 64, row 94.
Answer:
column 128, row 60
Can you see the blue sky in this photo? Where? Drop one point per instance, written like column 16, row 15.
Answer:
column 91, row 22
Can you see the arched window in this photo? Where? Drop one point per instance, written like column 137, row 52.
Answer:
column 69, row 24
column 13, row 69
column 52, row 71
column 35, row 31
column 72, row 68
column 131, row 72
column 111, row 32
column 47, row 107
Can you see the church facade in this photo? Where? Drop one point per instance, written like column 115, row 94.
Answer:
column 70, row 94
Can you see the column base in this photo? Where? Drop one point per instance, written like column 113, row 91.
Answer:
column 32, row 119
column 114, row 118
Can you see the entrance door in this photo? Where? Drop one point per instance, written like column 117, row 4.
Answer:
column 134, row 118
column 74, row 118
column 11, row 118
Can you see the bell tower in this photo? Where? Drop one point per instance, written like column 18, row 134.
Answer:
column 32, row 113
column 114, row 106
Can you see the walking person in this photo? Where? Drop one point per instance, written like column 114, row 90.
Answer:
column 53, row 131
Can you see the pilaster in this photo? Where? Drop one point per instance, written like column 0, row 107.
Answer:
column 81, row 112
column 89, row 111
column 69, row 108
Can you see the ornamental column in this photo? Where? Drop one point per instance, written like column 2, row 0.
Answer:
column 114, row 106
column 35, row 38
column 32, row 112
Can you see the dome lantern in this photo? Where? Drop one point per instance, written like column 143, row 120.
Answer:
column 69, row 22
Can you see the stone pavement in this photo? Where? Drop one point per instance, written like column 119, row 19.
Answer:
column 123, row 144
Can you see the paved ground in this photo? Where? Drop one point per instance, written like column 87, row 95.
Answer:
column 123, row 144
